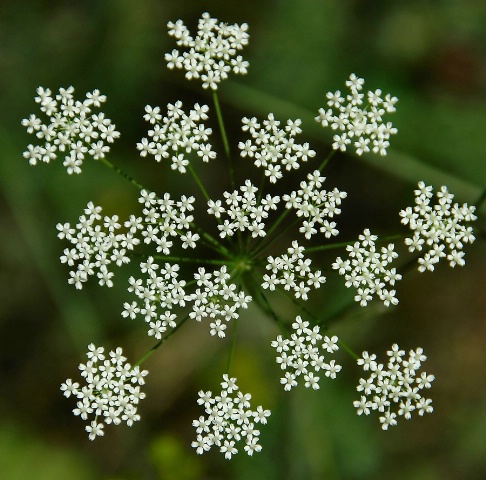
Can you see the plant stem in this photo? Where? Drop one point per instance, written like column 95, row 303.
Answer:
column 343, row 244
column 208, row 261
column 121, row 173
column 326, row 160
column 267, row 307
column 224, row 137
column 314, row 317
column 198, row 181
column 256, row 250
column 161, row 341
column 233, row 345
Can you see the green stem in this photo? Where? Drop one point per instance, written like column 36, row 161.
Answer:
column 344, row 244
column 121, row 173
column 349, row 350
column 267, row 307
column 199, row 183
column 233, row 345
column 276, row 237
column 161, row 341
column 207, row 261
column 326, row 160
column 224, row 136
column 315, row 319
column 257, row 247
column 212, row 242
column 480, row 200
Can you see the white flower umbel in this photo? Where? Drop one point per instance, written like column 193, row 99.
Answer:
column 396, row 390
column 358, row 122
column 229, row 421
column 292, row 271
column 177, row 135
column 367, row 270
column 442, row 228
column 274, row 148
column 301, row 355
column 217, row 299
column 244, row 209
column 112, row 390
column 212, row 54
column 71, row 130
column 315, row 206
column 158, row 294
column 165, row 218
column 96, row 245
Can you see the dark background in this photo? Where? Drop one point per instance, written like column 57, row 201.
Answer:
column 431, row 54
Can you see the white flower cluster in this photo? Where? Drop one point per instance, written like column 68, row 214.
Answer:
column 274, row 148
column 292, row 271
column 315, row 205
column 244, row 210
column 71, row 129
column 161, row 288
column 176, row 133
column 112, row 390
column 367, row 271
column 363, row 124
column 397, row 388
column 165, row 218
column 217, row 299
column 212, row 54
column 96, row 245
column 300, row 354
column 229, row 420
column 438, row 226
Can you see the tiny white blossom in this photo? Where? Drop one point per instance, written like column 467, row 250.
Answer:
column 395, row 391
column 109, row 395
column 437, row 227
column 366, row 270
column 358, row 123
column 301, row 355
column 70, row 129
column 212, row 54
column 229, row 421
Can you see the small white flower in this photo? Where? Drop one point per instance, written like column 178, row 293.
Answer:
column 360, row 124
column 393, row 388
column 437, row 227
column 69, row 129
column 109, row 395
column 229, row 421
column 301, row 354
column 366, row 270
column 212, row 54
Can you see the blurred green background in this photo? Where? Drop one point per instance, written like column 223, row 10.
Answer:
column 431, row 54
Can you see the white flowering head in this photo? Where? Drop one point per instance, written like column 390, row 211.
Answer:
column 212, row 53
column 292, row 271
column 316, row 206
column 217, row 298
column 71, row 129
column 441, row 229
column 273, row 148
column 358, row 121
column 96, row 244
column 112, row 391
column 177, row 135
column 396, row 390
column 367, row 270
column 245, row 211
column 165, row 219
column 301, row 355
column 229, row 421
column 157, row 294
